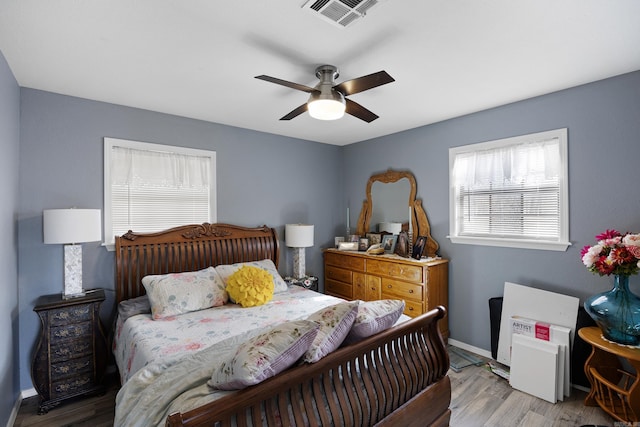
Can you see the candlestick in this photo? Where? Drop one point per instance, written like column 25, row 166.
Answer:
column 348, row 221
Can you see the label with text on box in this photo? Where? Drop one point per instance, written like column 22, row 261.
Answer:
column 534, row 328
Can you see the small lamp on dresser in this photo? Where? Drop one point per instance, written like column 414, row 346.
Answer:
column 298, row 237
column 69, row 227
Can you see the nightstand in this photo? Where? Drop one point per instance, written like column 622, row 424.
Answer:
column 307, row 282
column 71, row 354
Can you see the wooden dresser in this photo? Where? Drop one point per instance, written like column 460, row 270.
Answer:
column 71, row 355
column 423, row 285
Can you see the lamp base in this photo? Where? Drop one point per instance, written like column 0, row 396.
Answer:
column 72, row 271
column 298, row 263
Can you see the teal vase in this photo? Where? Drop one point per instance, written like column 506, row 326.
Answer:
column 617, row 312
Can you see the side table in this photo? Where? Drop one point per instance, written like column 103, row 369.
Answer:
column 71, row 355
column 308, row 282
column 613, row 389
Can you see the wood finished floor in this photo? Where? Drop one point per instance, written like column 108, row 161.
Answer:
column 479, row 398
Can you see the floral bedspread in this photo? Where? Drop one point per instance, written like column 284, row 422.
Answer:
column 140, row 340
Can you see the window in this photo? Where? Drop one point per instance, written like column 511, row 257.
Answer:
column 152, row 187
column 511, row 192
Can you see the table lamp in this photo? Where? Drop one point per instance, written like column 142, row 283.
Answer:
column 68, row 227
column 298, row 237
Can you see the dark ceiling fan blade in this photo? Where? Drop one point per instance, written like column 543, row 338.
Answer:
column 364, row 83
column 292, row 85
column 359, row 111
column 295, row 113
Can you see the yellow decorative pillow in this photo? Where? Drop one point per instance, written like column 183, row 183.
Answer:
column 250, row 286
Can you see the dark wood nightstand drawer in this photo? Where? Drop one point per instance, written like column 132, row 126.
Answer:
column 71, row 386
column 71, row 367
column 70, row 331
column 70, row 349
column 67, row 315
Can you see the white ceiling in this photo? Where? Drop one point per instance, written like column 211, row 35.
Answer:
column 198, row 58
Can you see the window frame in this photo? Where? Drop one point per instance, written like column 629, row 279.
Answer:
column 109, row 143
column 562, row 243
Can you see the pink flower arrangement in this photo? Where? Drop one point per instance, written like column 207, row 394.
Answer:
column 615, row 253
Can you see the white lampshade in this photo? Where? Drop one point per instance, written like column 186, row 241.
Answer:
column 298, row 235
column 71, row 225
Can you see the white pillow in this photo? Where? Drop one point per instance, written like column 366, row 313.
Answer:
column 335, row 323
column 374, row 317
column 264, row 356
column 279, row 284
column 178, row 293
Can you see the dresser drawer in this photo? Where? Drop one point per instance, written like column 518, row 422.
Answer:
column 75, row 314
column 412, row 308
column 70, row 331
column 372, row 288
column 402, row 290
column 71, row 367
column 339, row 274
column 71, row 386
column 338, row 289
column 412, row 273
column 65, row 350
column 345, row 261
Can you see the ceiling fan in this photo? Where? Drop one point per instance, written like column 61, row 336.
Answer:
column 328, row 100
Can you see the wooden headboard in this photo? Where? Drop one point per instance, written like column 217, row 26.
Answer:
column 187, row 248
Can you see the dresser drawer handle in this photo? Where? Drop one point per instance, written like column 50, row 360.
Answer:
column 389, row 286
column 410, row 308
column 410, row 291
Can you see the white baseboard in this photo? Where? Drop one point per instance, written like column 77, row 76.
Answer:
column 30, row 392
column 472, row 349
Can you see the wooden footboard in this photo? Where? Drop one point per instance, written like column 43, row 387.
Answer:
column 397, row 377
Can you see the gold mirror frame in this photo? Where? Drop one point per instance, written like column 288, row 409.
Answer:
column 419, row 219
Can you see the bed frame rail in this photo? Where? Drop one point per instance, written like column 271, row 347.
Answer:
column 397, row 377
column 187, row 248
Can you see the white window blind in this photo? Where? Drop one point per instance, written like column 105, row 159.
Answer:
column 151, row 187
column 511, row 192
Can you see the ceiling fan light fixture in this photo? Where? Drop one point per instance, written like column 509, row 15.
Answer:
column 326, row 106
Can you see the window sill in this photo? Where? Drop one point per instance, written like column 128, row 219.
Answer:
column 511, row 243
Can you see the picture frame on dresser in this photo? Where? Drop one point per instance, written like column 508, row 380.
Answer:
column 389, row 243
column 418, row 248
column 402, row 245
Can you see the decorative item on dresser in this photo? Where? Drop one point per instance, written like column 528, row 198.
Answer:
column 71, row 354
column 423, row 285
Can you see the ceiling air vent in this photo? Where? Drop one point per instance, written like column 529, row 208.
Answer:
column 340, row 12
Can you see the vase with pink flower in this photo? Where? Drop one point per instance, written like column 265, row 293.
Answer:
column 616, row 311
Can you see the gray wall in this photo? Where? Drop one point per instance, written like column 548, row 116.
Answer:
column 9, row 161
column 603, row 121
column 261, row 179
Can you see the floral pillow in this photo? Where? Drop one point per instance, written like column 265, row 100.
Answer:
column 177, row 293
column 266, row 264
column 335, row 323
column 374, row 317
column 264, row 356
column 250, row 286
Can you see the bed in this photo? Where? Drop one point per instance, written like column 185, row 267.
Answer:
column 395, row 377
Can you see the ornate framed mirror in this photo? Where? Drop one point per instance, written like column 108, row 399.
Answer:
column 391, row 196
